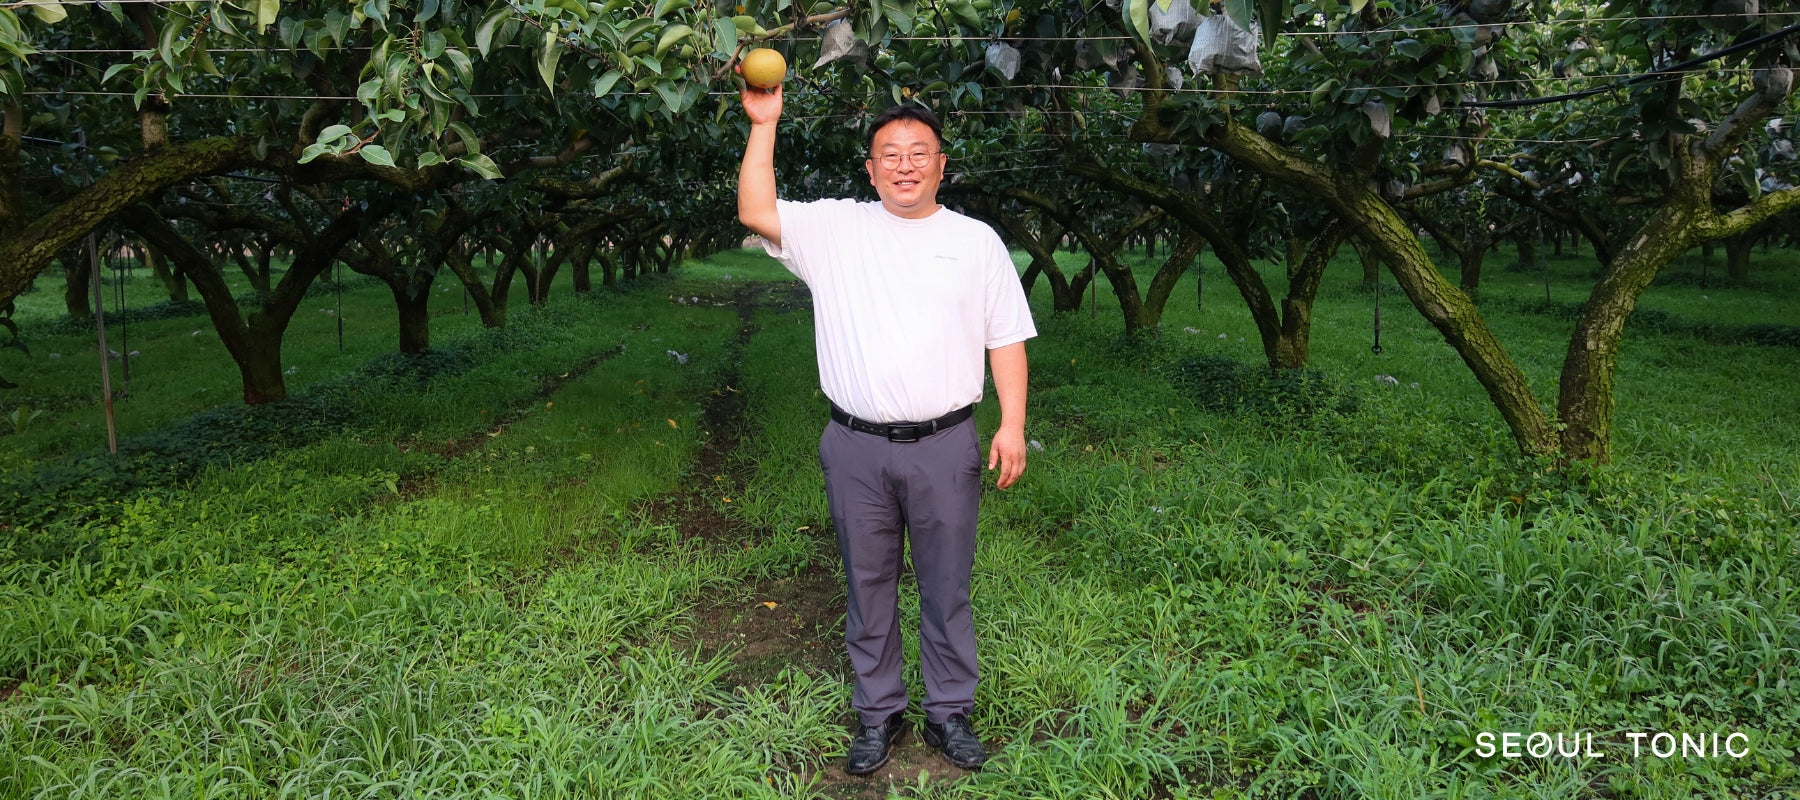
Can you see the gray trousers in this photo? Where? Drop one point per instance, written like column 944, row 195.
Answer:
column 930, row 490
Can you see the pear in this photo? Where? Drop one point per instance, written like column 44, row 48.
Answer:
column 764, row 68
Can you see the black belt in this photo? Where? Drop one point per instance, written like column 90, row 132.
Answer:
column 904, row 432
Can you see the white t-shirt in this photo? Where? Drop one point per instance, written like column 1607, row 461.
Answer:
column 904, row 309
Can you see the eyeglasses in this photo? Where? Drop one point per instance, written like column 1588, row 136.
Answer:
column 919, row 158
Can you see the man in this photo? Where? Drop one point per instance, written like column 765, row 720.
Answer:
column 907, row 295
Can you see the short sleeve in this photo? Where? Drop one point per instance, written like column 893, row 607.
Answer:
column 1008, row 311
column 803, row 225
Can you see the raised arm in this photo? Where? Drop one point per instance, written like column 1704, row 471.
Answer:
column 756, row 177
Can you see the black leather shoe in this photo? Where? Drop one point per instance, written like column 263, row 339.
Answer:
column 869, row 750
column 957, row 741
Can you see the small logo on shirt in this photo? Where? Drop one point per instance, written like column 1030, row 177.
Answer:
column 942, row 257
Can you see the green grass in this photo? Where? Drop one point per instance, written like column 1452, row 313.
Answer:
column 458, row 589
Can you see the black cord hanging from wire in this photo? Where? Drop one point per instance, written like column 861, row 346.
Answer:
column 1200, row 282
column 1545, row 260
column 117, row 260
column 1376, row 348
column 337, row 278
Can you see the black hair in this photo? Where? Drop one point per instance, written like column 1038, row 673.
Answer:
column 906, row 111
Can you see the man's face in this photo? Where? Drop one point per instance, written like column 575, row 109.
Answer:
column 906, row 190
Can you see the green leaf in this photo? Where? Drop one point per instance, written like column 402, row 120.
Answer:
column 432, row 45
column 903, row 22
column 313, row 151
column 339, row 25
column 1136, row 16
column 459, row 61
column 49, row 11
column 376, row 10
column 471, row 142
column 1746, row 174
column 1356, row 6
column 165, row 42
column 671, row 35
column 18, row 50
column 114, row 70
column 1273, row 13
column 725, row 36
column 604, row 83
column 965, row 13
column 483, row 166
column 547, row 58
column 377, row 155
column 484, row 33
column 429, row 86
column 427, row 10
column 576, row 7
column 671, row 96
column 1241, row 12
column 266, row 11
column 429, row 160
column 333, row 133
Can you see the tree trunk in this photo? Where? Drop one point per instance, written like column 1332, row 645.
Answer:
column 540, row 283
column 1041, row 247
column 26, row 249
column 609, row 267
column 580, row 263
column 1186, row 210
column 1296, row 250
column 492, row 311
column 1294, row 344
column 1371, row 262
column 1472, row 256
column 414, row 302
column 173, row 280
column 1585, row 396
column 1180, row 256
column 1737, row 256
column 254, row 343
column 1528, row 247
column 78, row 290
column 258, row 273
column 258, row 356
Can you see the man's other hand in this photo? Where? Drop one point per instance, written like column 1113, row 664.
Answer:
column 1007, row 451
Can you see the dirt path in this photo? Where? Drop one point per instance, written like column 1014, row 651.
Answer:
column 770, row 625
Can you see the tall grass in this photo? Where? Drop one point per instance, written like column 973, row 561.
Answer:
column 1201, row 588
